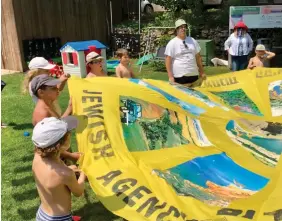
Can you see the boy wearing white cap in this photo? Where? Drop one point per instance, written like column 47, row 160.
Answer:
column 183, row 59
column 261, row 56
column 54, row 180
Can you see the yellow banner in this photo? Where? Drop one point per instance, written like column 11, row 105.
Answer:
column 156, row 151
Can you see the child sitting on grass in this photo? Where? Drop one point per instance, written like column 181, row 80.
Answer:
column 261, row 56
column 54, row 180
column 123, row 70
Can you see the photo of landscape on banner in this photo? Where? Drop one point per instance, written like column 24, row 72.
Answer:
column 275, row 95
column 199, row 96
column 263, row 139
column 239, row 101
column 147, row 126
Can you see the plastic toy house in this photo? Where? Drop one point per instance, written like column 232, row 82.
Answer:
column 74, row 53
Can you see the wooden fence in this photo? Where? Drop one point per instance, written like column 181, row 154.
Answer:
column 69, row 20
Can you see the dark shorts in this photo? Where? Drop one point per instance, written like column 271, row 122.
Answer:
column 186, row 79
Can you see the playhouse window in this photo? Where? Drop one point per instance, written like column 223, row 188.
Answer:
column 70, row 58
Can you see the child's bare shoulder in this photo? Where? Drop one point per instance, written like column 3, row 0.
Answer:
column 65, row 172
column 118, row 66
column 39, row 113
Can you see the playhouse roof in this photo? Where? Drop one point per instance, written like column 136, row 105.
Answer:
column 83, row 45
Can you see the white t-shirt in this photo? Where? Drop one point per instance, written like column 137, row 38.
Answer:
column 183, row 58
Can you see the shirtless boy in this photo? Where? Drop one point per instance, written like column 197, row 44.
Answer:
column 54, row 180
column 261, row 56
column 45, row 89
column 123, row 70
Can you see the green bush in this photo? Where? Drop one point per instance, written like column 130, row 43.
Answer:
column 165, row 19
column 164, row 39
column 157, row 65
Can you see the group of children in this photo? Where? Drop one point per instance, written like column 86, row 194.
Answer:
column 52, row 134
column 55, row 181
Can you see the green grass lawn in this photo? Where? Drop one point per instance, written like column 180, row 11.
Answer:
column 20, row 200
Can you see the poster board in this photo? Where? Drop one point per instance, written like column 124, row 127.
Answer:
column 266, row 16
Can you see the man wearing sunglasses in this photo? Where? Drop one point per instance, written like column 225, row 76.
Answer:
column 183, row 59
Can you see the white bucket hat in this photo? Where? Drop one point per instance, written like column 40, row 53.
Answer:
column 93, row 56
column 40, row 62
column 180, row 22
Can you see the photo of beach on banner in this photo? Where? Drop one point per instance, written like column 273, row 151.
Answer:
column 215, row 180
column 263, row 139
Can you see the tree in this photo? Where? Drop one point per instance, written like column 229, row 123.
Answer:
column 176, row 5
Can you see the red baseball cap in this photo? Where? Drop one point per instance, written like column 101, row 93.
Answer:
column 241, row 24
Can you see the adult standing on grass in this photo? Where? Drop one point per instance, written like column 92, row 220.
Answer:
column 239, row 45
column 183, row 60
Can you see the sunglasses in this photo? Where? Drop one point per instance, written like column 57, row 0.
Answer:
column 186, row 46
column 45, row 88
column 52, row 88
column 182, row 27
column 95, row 62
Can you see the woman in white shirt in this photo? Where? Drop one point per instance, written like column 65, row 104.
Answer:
column 239, row 45
column 183, row 59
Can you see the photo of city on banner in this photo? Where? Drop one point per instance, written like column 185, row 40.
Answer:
column 166, row 152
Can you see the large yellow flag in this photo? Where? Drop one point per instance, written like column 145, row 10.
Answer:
column 156, row 151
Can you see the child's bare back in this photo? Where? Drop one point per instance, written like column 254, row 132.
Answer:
column 42, row 111
column 52, row 185
column 54, row 180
